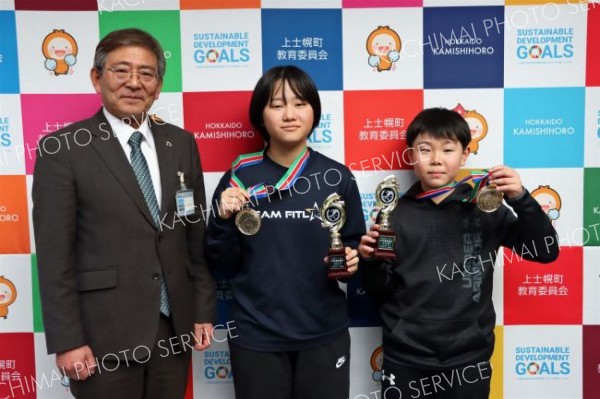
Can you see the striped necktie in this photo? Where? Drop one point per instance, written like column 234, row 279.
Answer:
column 142, row 173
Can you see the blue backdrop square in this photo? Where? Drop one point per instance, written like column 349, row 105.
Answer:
column 544, row 127
column 310, row 39
column 9, row 66
column 463, row 47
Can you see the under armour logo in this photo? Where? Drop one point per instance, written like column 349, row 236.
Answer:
column 390, row 377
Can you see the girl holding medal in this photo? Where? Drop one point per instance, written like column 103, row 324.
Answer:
column 436, row 295
column 291, row 336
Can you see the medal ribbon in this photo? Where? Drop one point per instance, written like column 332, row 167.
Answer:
column 262, row 190
column 479, row 178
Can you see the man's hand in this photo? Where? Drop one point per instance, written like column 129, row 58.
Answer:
column 202, row 334
column 77, row 364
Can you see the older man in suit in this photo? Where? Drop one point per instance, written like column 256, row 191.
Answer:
column 126, row 293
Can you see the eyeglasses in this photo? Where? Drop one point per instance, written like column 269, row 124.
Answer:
column 124, row 74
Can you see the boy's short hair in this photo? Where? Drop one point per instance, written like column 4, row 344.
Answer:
column 301, row 84
column 439, row 123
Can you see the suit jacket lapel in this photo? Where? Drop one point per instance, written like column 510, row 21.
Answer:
column 110, row 150
column 166, row 164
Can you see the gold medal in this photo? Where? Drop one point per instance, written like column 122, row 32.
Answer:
column 489, row 199
column 248, row 221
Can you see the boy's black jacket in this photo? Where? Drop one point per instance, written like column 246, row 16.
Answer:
column 436, row 297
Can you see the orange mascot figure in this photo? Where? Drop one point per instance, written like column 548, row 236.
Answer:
column 60, row 50
column 8, row 294
column 383, row 46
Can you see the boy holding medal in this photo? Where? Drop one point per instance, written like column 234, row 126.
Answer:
column 292, row 337
column 436, row 295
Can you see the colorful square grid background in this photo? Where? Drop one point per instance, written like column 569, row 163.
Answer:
column 524, row 73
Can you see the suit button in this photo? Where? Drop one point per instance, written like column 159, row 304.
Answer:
column 155, row 276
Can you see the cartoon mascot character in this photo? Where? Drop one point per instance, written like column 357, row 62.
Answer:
column 383, row 46
column 549, row 200
column 60, row 50
column 477, row 124
column 8, row 294
column 376, row 363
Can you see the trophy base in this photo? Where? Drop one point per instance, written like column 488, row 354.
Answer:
column 385, row 246
column 337, row 264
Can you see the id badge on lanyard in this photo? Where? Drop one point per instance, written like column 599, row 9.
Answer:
column 184, row 198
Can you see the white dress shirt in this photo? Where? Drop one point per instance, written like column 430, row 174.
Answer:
column 123, row 132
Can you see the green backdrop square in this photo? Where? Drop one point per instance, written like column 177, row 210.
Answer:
column 164, row 25
column 591, row 207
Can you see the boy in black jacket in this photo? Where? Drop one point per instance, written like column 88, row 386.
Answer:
column 436, row 295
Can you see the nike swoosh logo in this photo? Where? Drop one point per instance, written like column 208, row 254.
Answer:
column 340, row 362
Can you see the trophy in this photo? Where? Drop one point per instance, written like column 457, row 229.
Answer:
column 387, row 198
column 333, row 217
column 489, row 199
